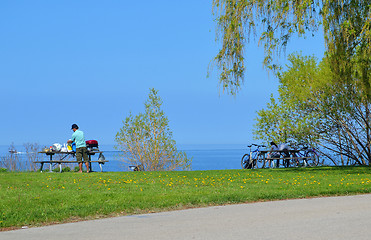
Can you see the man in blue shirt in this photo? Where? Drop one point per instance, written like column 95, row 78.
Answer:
column 81, row 151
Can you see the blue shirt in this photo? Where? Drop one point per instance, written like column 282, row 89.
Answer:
column 79, row 139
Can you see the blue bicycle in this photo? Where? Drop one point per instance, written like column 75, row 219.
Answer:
column 253, row 159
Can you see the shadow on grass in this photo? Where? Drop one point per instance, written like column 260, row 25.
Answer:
column 342, row 169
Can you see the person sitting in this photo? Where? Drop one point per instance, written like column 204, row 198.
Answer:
column 276, row 152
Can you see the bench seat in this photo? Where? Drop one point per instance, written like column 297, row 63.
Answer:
column 60, row 162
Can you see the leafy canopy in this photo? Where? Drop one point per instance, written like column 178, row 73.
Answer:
column 314, row 107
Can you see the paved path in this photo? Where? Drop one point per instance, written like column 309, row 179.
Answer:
column 318, row 218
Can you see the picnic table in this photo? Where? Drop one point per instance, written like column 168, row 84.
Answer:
column 64, row 157
column 281, row 152
column 292, row 155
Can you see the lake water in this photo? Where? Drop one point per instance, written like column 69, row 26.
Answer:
column 205, row 156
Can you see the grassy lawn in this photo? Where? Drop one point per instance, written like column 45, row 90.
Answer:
column 34, row 199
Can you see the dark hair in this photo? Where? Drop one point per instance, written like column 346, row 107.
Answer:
column 273, row 143
column 74, row 126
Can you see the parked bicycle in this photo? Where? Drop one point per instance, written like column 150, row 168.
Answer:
column 253, row 159
column 308, row 155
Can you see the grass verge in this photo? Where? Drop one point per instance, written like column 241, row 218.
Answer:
column 34, row 199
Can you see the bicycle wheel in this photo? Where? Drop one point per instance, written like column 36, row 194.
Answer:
column 311, row 159
column 245, row 162
column 260, row 161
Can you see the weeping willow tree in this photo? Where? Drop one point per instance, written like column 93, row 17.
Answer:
column 346, row 25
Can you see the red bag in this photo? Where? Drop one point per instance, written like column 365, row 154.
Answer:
column 91, row 143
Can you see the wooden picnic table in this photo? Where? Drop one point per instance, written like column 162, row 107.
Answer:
column 293, row 155
column 67, row 155
column 291, row 152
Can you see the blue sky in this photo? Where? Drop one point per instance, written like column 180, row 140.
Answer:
column 92, row 62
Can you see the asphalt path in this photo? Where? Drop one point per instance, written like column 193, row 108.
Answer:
column 317, row 218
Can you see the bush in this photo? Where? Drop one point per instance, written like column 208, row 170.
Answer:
column 65, row 169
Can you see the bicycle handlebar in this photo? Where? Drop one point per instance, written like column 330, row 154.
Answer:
column 302, row 147
column 257, row 145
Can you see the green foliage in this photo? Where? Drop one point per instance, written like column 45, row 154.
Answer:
column 65, row 169
column 347, row 27
column 314, row 107
column 347, row 31
column 290, row 118
column 33, row 199
column 146, row 139
column 272, row 123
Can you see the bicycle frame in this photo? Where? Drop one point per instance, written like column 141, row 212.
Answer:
column 250, row 160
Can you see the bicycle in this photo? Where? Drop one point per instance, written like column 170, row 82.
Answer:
column 253, row 159
column 309, row 156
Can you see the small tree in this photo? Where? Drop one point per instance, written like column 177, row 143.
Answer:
column 32, row 150
column 11, row 161
column 146, row 139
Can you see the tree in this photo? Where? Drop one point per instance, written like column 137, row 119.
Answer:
column 146, row 139
column 32, row 150
column 320, row 110
column 293, row 112
column 346, row 25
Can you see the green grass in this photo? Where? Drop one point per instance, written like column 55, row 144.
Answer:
column 35, row 199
